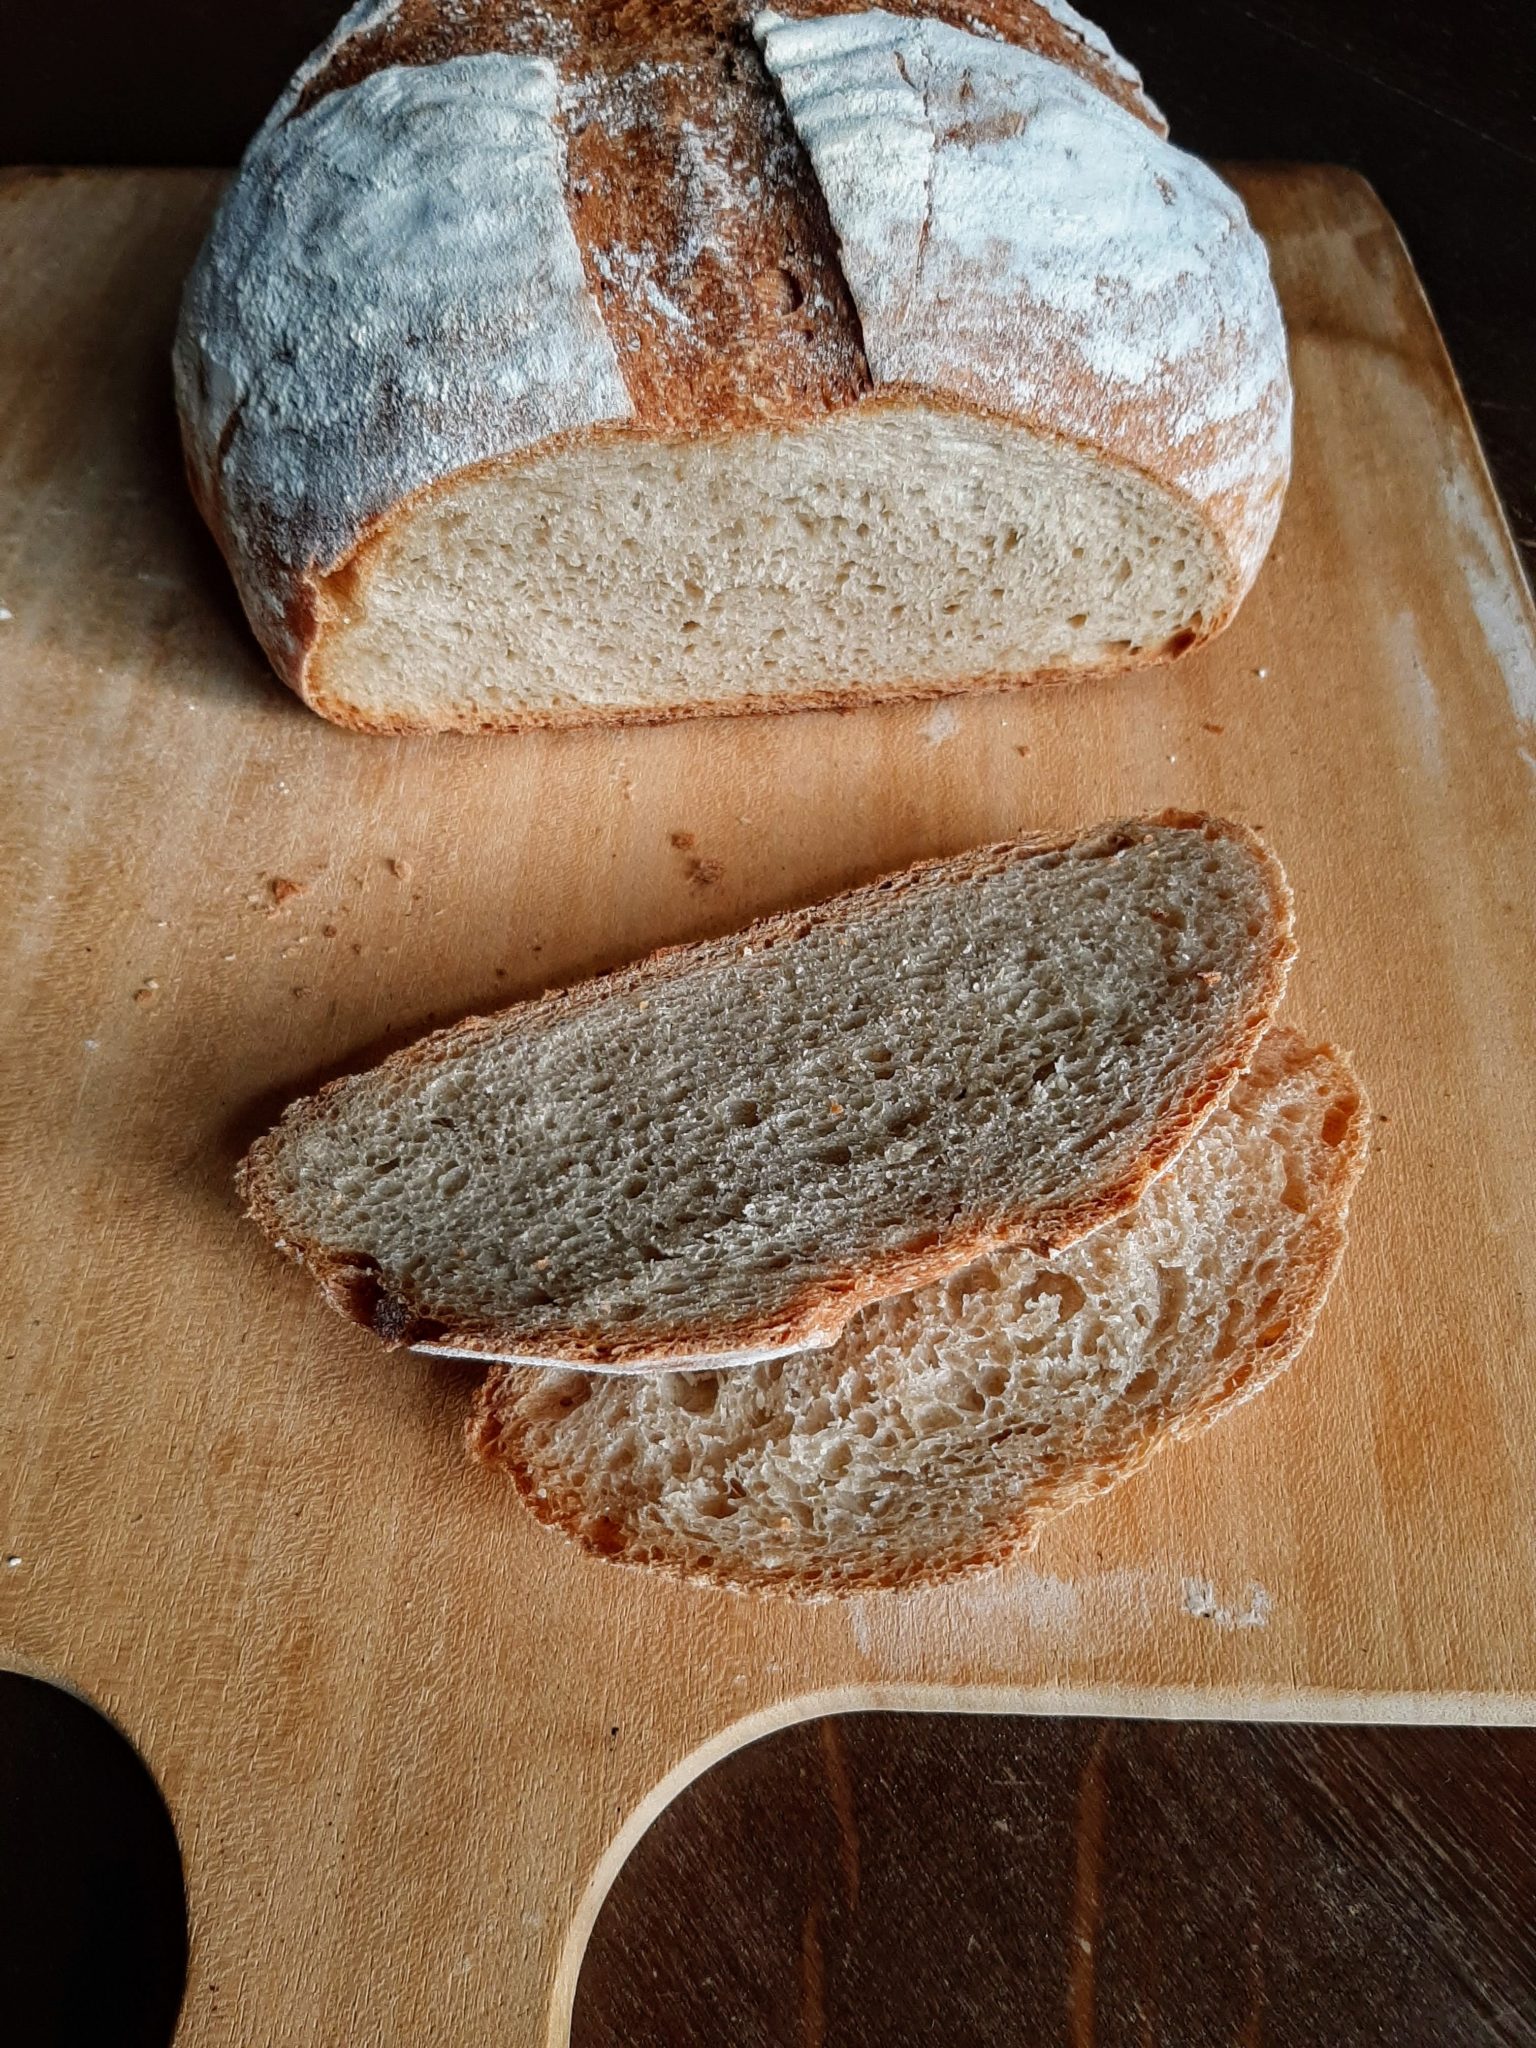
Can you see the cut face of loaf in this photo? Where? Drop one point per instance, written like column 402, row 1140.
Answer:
column 730, row 1148
column 894, row 550
column 945, row 1427
column 569, row 363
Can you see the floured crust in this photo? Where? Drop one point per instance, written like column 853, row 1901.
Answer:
column 496, row 1433
column 713, row 266
column 355, row 1286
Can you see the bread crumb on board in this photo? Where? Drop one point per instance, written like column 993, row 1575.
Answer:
column 400, row 869
column 701, row 870
column 1200, row 1601
column 280, row 891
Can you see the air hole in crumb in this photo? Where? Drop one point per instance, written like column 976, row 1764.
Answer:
column 1338, row 1121
column 1063, row 1290
column 696, row 1392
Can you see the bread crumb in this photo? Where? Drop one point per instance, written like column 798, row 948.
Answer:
column 682, row 840
column 147, row 993
column 1211, row 979
column 4, row 615
column 400, row 869
column 1209, row 727
column 1200, row 1601
column 1023, row 752
column 703, row 874
column 283, row 891
column 328, row 931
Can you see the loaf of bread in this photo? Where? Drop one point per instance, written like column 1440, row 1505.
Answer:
column 944, row 1428
column 556, row 362
column 726, row 1151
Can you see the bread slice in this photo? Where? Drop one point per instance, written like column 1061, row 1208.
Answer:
column 554, row 362
column 733, row 1146
column 946, row 1426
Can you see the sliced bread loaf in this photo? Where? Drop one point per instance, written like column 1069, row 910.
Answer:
column 730, row 1148
column 561, row 361
column 946, row 1426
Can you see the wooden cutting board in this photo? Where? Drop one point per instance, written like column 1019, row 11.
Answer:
column 408, row 1736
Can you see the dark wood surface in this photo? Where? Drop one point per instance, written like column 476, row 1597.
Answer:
column 855, row 1883
column 895, row 1879
column 93, row 1921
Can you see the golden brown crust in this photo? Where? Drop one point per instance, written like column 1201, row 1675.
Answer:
column 708, row 248
column 757, row 327
column 492, row 1433
column 610, row 36
column 353, row 1285
column 819, row 697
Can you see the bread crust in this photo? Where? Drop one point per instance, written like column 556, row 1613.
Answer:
column 354, row 1286
column 711, row 259
column 492, row 1432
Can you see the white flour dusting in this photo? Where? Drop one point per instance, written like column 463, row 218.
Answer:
column 1200, row 1601
column 393, row 290
column 1495, row 598
column 1092, row 37
column 1417, row 692
column 1003, row 1608
column 358, row 20
column 1011, row 235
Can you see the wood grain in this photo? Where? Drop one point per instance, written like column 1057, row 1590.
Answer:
column 407, row 1735
column 1074, row 1882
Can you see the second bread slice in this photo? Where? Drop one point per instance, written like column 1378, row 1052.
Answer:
column 729, row 1149
column 946, row 1427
